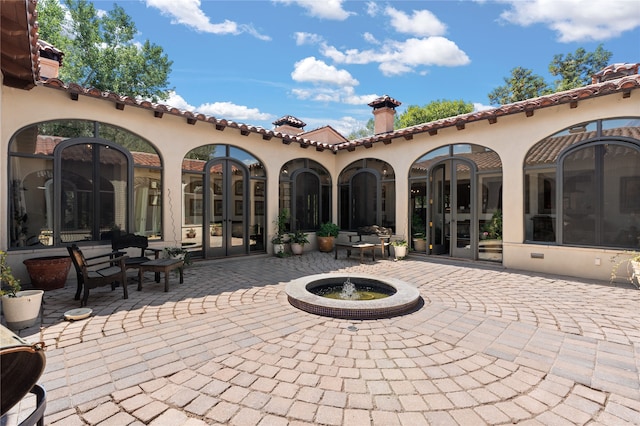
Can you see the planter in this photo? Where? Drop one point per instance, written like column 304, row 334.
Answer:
column 636, row 271
column 420, row 245
column 399, row 251
column 278, row 249
column 48, row 273
column 325, row 244
column 22, row 311
column 296, row 248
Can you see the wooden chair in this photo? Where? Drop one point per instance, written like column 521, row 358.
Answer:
column 97, row 271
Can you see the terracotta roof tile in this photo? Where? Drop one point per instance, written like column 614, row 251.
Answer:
column 384, row 101
column 624, row 84
column 291, row 121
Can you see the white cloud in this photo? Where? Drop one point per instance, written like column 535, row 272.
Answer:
column 226, row 110
column 372, row 8
column 343, row 95
column 370, row 38
column 311, row 70
column 422, row 23
column 576, row 20
column 307, row 38
column 189, row 13
column 399, row 57
column 477, row 106
column 324, row 9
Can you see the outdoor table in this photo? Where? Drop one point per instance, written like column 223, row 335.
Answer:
column 360, row 246
column 161, row 265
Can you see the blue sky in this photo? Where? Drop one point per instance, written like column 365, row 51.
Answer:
column 322, row 61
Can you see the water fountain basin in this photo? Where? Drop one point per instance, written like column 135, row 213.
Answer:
column 405, row 298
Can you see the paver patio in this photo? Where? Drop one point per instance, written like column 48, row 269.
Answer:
column 489, row 346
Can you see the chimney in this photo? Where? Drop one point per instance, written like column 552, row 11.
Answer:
column 50, row 60
column 289, row 125
column 384, row 111
column 614, row 71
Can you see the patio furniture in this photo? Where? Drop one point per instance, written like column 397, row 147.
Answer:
column 363, row 247
column 375, row 231
column 120, row 243
column 97, row 271
column 158, row 266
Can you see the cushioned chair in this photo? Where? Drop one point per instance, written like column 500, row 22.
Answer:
column 97, row 271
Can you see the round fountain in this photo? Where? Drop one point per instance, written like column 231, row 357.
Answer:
column 353, row 296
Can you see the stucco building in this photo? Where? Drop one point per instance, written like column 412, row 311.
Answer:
column 548, row 184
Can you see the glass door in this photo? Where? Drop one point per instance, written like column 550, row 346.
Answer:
column 451, row 214
column 226, row 209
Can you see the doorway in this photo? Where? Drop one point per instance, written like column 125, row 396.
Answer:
column 226, row 201
column 450, row 218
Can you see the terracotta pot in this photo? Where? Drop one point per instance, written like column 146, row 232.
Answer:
column 420, row 245
column 325, row 244
column 48, row 273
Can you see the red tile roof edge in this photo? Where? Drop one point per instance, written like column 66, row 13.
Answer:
column 625, row 84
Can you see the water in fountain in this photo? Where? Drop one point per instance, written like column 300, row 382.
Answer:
column 349, row 291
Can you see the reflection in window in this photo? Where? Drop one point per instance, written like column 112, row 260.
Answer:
column 68, row 185
column 598, row 164
column 367, row 194
column 305, row 190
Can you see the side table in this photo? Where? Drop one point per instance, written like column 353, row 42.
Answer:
column 161, row 265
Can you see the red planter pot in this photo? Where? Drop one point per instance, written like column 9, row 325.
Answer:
column 48, row 273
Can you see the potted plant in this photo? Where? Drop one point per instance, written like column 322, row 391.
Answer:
column 191, row 233
column 419, row 238
column 632, row 261
column 178, row 253
column 298, row 239
column 20, row 307
column 399, row 248
column 278, row 239
column 326, row 235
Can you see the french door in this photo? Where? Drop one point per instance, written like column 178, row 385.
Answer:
column 452, row 212
column 226, row 202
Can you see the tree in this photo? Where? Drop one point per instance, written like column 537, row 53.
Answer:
column 432, row 111
column 522, row 84
column 575, row 70
column 100, row 50
column 363, row 132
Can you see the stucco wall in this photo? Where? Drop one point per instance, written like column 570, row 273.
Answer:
column 511, row 137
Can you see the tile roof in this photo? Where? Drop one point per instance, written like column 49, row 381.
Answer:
column 614, row 71
column 18, row 43
column 291, row 121
column 384, row 101
column 623, row 85
column 548, row 150
column 47, row 50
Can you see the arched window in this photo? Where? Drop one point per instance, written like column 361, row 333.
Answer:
column 582, row 185
column 305, row 190
column 367, row 195
column 78, row 180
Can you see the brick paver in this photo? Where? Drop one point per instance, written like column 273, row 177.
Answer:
column 489, row 346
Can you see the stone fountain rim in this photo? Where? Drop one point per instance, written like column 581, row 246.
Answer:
column 405, row 299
